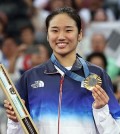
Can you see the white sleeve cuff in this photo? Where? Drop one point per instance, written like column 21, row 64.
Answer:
column 101, row 113
column 14, row 127
column 12, row 123
column 105, row 123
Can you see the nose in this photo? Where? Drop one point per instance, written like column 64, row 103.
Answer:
column 61, row 36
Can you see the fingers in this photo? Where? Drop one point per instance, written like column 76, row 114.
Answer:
column 10, row 112
column 23, row 101
column 7, row 105
column 100, row 96
column 11, row 115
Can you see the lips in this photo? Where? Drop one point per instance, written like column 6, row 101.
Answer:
column 62, row 44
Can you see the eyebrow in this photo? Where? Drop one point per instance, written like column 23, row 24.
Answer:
column 65, row 26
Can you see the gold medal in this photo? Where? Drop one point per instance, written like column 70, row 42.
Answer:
column 91, row 81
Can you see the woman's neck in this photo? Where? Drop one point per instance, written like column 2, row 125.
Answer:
column 66, row 60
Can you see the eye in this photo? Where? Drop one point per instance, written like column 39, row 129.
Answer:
column 69, row 30
column 54, row 30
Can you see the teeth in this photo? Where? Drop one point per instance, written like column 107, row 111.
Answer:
column 61, row 45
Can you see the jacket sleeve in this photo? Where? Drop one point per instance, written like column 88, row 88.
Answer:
column 104, row 121
column 14, row 127
column 107, row 119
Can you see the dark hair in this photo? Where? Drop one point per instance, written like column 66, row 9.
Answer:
column 7, row 37
column 3, row 25
column 97, row 54
column 29, row 26
column 65, row 10
column 47, row 46
column 11, row 37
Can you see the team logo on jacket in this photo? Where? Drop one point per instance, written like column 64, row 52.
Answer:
column 38, row 84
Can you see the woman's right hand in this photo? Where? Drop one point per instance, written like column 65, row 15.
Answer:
column 10, row 112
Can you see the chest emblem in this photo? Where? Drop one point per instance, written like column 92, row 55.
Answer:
column 38, row 84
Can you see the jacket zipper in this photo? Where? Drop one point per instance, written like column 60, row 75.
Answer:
column 60, row 101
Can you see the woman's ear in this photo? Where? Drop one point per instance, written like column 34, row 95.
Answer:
column 80, row 36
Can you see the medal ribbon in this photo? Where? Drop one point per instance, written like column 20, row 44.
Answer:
column 69, row 73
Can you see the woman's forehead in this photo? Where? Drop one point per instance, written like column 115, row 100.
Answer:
column 62, row 20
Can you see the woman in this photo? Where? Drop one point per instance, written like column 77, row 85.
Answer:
column 55, row 92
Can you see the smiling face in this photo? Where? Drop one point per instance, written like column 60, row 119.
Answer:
column 63, row 34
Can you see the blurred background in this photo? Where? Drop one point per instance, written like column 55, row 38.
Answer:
column 23, row 43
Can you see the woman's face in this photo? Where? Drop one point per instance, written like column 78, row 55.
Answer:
column 63, row 35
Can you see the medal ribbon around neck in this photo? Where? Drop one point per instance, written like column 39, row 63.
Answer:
column 69, row 73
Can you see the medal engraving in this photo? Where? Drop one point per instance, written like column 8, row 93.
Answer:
column 91, row 81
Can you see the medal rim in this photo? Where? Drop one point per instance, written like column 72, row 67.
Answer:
column 95, row 76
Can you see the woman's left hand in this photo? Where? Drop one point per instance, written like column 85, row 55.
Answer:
column 100, row 97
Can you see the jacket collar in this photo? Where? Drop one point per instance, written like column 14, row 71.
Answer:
column 50, row 68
